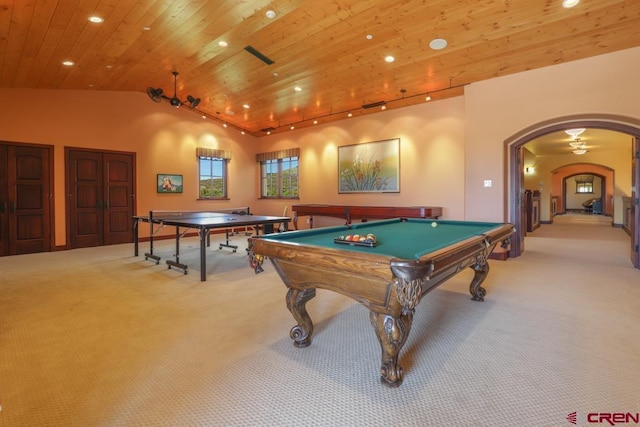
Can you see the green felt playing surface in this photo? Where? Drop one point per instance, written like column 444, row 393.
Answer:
column 406, row 239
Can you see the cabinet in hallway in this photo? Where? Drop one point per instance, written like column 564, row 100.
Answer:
column 100, row 197
column 25, row 198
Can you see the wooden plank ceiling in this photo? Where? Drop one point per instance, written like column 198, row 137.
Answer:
column 333, row 51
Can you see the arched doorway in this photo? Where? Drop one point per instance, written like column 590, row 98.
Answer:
column 514, row 151
column 604, row 191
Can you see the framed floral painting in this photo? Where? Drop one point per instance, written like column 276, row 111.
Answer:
column 370, row 167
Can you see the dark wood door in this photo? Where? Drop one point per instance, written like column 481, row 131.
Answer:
column 521, row 228
column 101, row 197
column 4, row 202
column 25, row 199
column 119, row 198
column 633, row 215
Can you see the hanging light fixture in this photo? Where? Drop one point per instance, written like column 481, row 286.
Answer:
column 574, row 133
column 579, row 147
column 157, row 95
column 577, row 143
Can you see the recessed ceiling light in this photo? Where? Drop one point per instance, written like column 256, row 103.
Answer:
column 67, row 63
column 389, row 58
column 223, row 43
column 246, row 106
column 297, row 89
column 438, row 44
column 146, row 28
column 96, row 19
column 567, row 4
column 369, row 37
column 270, row 14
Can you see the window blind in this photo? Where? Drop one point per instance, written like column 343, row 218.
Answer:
column 213, row 152
column 281, row 154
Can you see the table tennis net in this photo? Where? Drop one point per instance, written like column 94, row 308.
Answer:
column 173, row 214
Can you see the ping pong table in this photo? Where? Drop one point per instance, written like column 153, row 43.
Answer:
column 203, row 222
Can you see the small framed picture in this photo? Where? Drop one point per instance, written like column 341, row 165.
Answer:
column 168, row 183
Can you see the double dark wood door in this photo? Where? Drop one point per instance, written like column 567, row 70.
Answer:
column 100, row 197
column 25, row 199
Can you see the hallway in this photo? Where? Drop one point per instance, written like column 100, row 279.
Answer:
column 582, row 238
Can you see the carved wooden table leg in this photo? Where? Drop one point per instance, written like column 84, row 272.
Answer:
column 481, row 270
column 296, row 303
column 392, row 333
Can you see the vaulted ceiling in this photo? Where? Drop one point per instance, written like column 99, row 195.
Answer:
column 311, row 60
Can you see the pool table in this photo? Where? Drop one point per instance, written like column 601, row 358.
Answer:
column 410, row 257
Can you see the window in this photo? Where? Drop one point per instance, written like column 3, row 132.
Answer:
column 584, row 184
column 584, row 187
column 279, row 174
column 212, row 173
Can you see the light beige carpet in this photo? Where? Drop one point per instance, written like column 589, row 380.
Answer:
column 97, row 337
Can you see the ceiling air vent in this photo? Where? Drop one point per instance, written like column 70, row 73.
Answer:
column 253, row 51
column 374, row 104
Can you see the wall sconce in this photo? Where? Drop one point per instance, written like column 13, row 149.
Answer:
column 529, row 170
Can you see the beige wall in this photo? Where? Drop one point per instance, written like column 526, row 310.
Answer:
column 497, row 109
column 431, row 157
column 448, row 147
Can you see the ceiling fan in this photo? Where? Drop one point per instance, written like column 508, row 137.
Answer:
column 157, row 94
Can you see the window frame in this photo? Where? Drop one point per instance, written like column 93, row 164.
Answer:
column 280, row 163
column 224, row 176
column 584, row 183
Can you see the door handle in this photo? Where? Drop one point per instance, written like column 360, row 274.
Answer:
column 106, row 204
column 12, row 207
